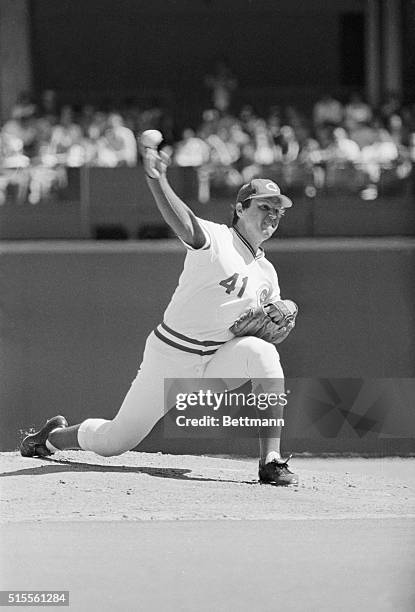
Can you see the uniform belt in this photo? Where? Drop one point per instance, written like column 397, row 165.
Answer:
column 184, row 343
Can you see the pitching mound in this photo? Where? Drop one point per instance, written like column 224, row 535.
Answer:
column 75, row 485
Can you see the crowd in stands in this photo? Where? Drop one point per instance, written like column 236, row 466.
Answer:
column 335, row 142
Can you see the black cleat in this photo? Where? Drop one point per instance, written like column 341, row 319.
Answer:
column 34, row 445
column 276, row 472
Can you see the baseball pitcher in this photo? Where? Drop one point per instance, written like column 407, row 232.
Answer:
column 224, row 321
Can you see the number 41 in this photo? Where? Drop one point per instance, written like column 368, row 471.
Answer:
column 230, row 284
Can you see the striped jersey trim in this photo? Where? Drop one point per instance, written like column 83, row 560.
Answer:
column 183, row 343
column 257, row 255
column 192, row 340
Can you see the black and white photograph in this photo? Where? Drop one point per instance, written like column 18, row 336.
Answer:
column 207, row 321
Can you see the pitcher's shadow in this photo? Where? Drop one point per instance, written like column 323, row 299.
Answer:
column 63, row 466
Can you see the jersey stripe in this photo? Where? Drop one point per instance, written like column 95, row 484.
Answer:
column 191, row 340
column 181, row 347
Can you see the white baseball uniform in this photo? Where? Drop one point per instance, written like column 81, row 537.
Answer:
column 219, row 282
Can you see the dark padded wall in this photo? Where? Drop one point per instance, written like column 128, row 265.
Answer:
column 130, row 44
column 74, row 318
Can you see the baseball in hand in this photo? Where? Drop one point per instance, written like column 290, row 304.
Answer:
column 151, row 139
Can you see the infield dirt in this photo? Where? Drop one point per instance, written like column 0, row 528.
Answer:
column 75, row 485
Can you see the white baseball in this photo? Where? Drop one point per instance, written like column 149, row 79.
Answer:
column 151, row 139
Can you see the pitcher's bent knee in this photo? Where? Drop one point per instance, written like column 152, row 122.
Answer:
column 103, row 438
column 263, row 360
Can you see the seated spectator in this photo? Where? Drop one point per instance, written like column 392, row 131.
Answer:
column 121, row 140
column 248, row 119
column 12, row 165
column 86, row 117
column 11, row 151
column 312, row 158
column 344, row 148
column 46, row 118
column 397, row 130
column 249, row 168
column 363, row 134
column 297, row 121
column 64, row 136
column 95, row 145
column 237, row 135
column 264, row 145
column 327, row 111
column 223, row 152
column 357, row 111
column 287, row 145
column 210, row 123
column 288, row 152
column 274, row 122
column 191, row 151
column 381, row 154
column 22, row 125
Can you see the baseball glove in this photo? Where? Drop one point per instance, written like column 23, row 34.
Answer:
column 272, row 322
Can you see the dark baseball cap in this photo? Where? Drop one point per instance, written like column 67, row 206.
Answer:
column 262, row 188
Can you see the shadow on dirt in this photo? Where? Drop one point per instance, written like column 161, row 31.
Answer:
column 55, row 466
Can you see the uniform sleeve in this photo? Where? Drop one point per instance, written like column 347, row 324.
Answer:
column 208, row 240
column 215, row 234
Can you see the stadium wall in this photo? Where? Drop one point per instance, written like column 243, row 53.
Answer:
column 104, row 200
column 74, row 318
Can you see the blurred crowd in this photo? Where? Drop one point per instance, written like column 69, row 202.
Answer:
column 347, row 145
column 337, row 142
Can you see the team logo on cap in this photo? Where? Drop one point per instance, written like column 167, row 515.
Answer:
column 272, row 187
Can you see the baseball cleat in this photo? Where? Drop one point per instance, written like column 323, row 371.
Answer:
column 34, row 445
column 276, row 472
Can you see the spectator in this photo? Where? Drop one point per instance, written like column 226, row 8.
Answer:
column 86, row 117
column 223, row 151
column 380, row 154
column 264, row 146
column 287, row 145
column 191, row 150
column 11, row 151
column 357, row 111
column 237, row 135
column 22, row 125
column 210, row 123
column 274, row 122
column 344, row 148
column 248, row 118
column 46, row 119
column 64, row 136
column 397, row 130
column 311, row 157
column 363, row 134
column 12, row 166
column 327, row 111
column 121, row 141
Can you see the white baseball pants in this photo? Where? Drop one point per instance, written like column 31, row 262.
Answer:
column 246, row 358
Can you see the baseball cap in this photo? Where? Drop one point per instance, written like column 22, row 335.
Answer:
column 262, row 188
